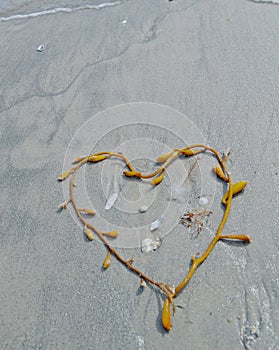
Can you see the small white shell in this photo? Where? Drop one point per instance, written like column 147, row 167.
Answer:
column 111, row 201
column 41, row 48
column 146, row 245
column 155, row 224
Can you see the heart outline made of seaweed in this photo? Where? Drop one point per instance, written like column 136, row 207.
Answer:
column 221, row 171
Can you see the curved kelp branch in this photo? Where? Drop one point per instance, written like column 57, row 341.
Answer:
column 196, row 261
column 88, row 227
column 165, row 160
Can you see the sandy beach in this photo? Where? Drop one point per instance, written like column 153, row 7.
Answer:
column 140, row 77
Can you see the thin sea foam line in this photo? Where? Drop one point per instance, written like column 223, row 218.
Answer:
column 273, row 2
column 63, row 10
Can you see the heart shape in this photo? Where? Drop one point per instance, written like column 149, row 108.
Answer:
column 222, row 172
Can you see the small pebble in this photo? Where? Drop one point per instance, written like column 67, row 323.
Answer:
column 143, row 209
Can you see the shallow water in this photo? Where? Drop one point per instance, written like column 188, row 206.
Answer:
column 16, row 9
column 21, row 9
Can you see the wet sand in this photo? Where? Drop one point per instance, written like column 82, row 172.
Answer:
column 216, row 63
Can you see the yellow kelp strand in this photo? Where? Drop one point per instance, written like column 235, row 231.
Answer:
column 219, row 172
column 166, row 315
column 112, row 234
column 88, row 233
column 132, row 174
column 106, row 262
column 164, row 157
column 237, row 187
column 158, row 179
column 95, row 159
column 64, row 176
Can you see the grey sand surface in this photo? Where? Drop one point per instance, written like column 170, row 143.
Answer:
column 215, row 62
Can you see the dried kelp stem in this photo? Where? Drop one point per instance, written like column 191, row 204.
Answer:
column 222, row 172
column 197, row 261
column 128, row 263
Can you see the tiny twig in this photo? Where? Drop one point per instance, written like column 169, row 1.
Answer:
column 190, row 171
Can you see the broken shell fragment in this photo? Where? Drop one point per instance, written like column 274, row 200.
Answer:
column 155, row 224
column 111, row 201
